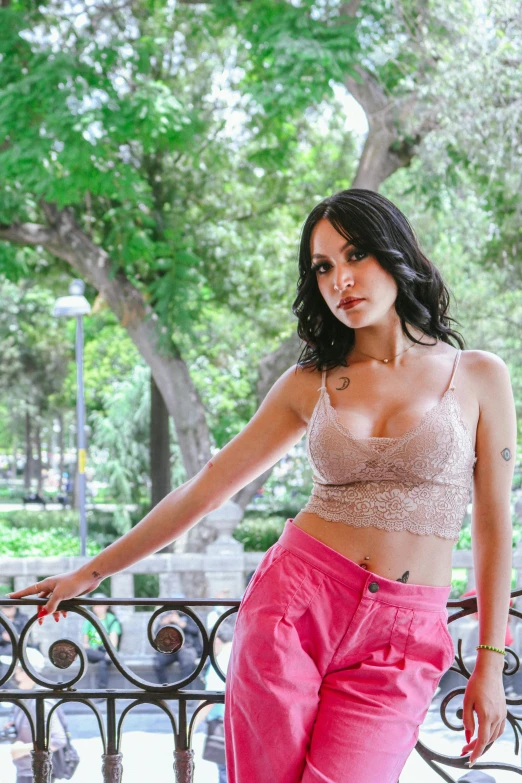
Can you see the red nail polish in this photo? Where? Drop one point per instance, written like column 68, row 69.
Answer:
column 42, row 611
column 56, row 619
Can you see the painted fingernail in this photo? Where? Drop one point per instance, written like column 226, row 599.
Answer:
column 42, row 611
column 56, row 618
column 40, row 621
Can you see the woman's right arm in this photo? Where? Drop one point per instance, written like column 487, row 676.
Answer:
column 275, row 428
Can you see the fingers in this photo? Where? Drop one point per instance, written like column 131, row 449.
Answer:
column 52, row 604
column 487, row 734
column 468, row 719
column 31, row 590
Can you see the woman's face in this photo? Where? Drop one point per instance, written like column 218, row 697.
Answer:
column 338, row 263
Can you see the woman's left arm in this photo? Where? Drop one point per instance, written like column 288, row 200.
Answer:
column 491, row 540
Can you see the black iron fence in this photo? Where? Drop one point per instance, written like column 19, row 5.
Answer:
column 68, row 663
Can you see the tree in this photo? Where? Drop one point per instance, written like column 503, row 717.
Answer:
column 120, row 162
column 32, row 367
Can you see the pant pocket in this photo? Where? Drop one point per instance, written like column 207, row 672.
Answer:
column 429, row 646
column 271, row 558
column 449, row 641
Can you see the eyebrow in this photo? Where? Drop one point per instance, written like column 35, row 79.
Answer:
column 344, row 247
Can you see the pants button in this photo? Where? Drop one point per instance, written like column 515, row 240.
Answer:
column 373, row 587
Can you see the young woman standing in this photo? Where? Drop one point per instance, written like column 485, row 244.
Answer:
column 341, row 636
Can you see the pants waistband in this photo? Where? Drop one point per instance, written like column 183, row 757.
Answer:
column 366, row 583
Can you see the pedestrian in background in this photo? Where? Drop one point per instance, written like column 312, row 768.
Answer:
column 23, row 741
column 92, row 642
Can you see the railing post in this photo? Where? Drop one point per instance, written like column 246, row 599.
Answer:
column 40, row 758
column 41, row 766
column 183, row 755
column 112, row 767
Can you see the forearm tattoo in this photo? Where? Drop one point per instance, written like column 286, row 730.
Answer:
column 506, row 454
column 96, row 575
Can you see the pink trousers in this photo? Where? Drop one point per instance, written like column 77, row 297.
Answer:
column 332, row 668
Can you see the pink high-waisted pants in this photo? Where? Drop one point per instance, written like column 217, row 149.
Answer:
column 332, row 668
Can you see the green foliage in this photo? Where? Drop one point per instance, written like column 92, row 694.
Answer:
column 109, row 356
column 32, row 346
column 120, row 441
column 102, row 529
column 459, row 582
column 146, row 586
column 32, row 542
column 258, row 535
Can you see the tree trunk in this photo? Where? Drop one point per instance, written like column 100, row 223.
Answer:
column 38, row 444
column 64, row 238
column 28, row 470
column 61, row 487
column 159, row 449
column 15, row 457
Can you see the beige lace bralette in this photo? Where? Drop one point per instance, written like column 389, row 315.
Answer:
column 420, row 481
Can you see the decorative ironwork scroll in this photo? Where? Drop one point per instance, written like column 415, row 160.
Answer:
column 67, row 655
column 451, row 702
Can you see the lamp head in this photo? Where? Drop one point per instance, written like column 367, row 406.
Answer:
column 76, row 288
column 75, row 304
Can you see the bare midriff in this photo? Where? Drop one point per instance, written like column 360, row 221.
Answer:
column 428, row 559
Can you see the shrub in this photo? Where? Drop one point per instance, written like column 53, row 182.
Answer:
column 258, row 534
column 32, row 542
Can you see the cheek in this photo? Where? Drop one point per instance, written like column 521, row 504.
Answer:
column 382, row 284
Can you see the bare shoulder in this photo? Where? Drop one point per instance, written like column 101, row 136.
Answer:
column 488, row 372
column 301, row 385
column 489, row 378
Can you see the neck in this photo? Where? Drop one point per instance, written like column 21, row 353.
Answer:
column 384, row 343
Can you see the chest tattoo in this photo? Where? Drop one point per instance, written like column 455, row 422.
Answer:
column 346, row 383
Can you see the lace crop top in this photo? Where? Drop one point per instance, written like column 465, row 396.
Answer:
column 419, row 482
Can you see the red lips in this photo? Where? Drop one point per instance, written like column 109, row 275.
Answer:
column 349, row 299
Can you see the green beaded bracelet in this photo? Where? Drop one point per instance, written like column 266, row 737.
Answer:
column 489, row 647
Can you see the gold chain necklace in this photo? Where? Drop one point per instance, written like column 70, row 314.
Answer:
column 385, row 361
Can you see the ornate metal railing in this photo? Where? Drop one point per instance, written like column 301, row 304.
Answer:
column 64, row 652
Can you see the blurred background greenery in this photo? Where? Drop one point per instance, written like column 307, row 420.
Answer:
column 167, row 154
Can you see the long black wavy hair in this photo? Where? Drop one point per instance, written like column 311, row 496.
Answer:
column 372, row 223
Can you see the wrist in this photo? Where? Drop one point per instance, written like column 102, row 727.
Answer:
column 489, row 659
column 92, row 570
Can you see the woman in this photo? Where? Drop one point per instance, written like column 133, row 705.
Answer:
column 341, row 636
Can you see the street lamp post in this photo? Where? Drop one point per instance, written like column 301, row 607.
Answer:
column 77, row 305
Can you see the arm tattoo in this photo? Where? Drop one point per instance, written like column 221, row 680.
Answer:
column 96, row 575
column 210, row 465
column 506, row 454
column 404, row 577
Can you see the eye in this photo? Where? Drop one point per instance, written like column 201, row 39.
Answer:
column 361, row 253
column 355, row 255
column 317, row 267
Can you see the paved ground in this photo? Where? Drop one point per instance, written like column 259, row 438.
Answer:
column 147, row 750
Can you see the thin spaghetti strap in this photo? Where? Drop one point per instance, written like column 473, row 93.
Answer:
column 323, row 381
column 455, row 365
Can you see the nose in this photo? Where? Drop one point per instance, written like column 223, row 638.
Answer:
column 343, row 277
